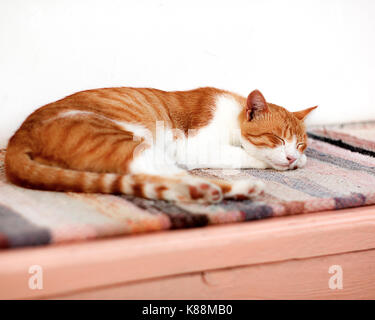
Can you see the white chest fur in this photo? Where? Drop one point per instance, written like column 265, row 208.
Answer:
column 208, row 146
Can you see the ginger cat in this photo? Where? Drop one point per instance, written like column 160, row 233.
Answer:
column 141, row 141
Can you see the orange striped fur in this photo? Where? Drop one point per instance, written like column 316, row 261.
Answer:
column 77, row 143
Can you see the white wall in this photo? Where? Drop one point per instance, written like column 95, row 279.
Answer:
column 298, row 53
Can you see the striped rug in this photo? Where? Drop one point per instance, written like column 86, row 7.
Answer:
column 340, row 173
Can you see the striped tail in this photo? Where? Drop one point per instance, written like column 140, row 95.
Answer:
column 22, row 170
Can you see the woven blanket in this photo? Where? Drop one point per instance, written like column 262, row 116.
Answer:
column 340, row 173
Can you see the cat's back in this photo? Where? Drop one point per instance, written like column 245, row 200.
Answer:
column 191, row 109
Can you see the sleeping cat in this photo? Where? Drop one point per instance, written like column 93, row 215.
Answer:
column 142, row 141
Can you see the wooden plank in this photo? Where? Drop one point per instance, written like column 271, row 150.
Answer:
column 294, row 279
column 106, row 262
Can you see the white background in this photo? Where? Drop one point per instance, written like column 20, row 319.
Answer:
column 298, row 53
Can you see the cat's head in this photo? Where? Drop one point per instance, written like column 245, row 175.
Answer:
column 272, row 134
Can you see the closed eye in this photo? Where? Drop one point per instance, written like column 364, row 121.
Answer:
column 301, row 145
column 280, row 139
column 259, row 140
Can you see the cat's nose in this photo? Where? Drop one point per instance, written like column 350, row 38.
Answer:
column 291, row 159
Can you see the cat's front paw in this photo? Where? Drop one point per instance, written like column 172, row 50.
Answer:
column 301, row 162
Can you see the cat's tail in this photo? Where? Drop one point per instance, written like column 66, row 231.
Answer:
column 23, row 170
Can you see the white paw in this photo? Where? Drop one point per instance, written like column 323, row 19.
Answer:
column 301, row 162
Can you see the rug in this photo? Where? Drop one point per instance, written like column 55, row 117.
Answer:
column 340, row 173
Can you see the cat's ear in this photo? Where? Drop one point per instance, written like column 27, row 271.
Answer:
column 301, row 115
column 255, row 105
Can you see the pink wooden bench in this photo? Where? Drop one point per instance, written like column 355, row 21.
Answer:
column 279, row 258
